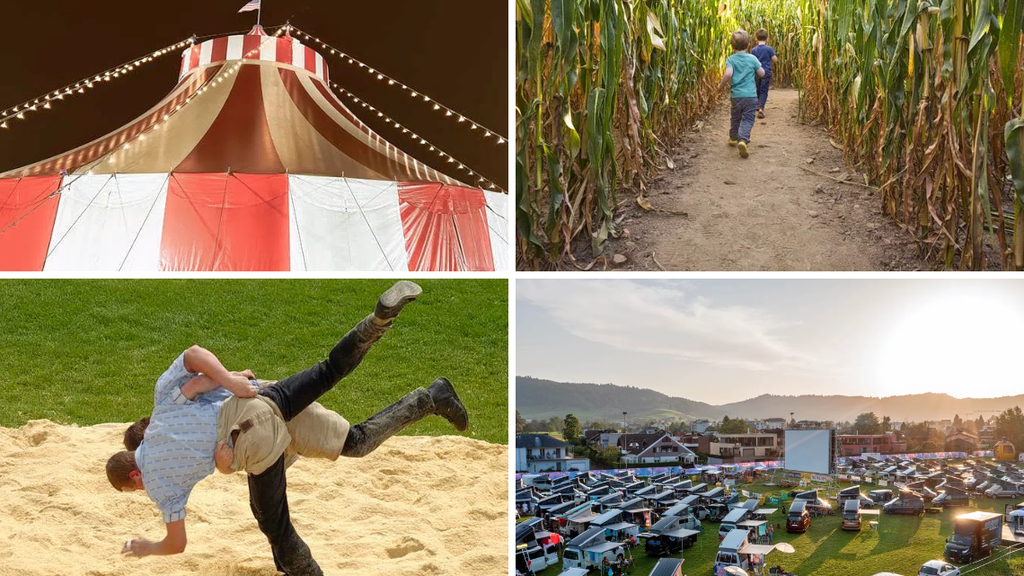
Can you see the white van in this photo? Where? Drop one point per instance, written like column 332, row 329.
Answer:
column 531, row 560
column 729, row 551
column 588, row 550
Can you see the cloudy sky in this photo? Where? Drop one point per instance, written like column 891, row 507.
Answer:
column 721, row 341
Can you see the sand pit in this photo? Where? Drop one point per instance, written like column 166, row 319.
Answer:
column 417, row 506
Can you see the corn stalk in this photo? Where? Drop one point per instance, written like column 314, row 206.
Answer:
column 916, row 90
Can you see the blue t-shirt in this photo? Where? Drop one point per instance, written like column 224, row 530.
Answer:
column 744, row 71
column 764, row 54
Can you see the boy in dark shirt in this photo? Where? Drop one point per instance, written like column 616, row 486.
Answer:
column 766, row 55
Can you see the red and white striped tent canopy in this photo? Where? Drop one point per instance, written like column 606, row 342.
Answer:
column 251, row 163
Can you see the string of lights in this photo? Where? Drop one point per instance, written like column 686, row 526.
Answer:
column 417, row 138
column 46, row 101
column 484, row 132
column 222, row 75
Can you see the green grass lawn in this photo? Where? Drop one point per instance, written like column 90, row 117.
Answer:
column 901, row 544
column 90, row 351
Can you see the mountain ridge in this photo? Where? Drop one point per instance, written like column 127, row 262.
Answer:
column 539, row 398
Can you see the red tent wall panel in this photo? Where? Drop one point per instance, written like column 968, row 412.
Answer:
column 445, row 227
column 239, row 138
column 221, row 222
column 251, row 46
column 310, row 60
column 193, row 57
column 219, row 51
column 27, row 214
column 284, row 50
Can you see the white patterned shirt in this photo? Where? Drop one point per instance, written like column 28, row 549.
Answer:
column 180, row 441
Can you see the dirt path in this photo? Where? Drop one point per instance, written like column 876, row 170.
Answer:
column 765, row 212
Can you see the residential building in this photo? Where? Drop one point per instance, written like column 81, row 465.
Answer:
column 691, row 441
column 728, row 448
column 987, row 437
column 545, row 453
column 813, row 425
column 657, row 448
column 856, row 444
column 960, row 441
column 701, row 426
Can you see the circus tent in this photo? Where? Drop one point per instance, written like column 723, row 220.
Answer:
column 252, row 163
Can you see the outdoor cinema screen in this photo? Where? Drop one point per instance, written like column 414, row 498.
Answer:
column 809, row 451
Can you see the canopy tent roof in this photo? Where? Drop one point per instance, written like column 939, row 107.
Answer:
column 250, row 163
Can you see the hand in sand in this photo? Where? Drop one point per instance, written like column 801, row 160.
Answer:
column 137, row 547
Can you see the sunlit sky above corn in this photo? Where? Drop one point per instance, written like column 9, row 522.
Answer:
column 720, row 341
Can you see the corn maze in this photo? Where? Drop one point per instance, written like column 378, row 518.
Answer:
column 924, row 98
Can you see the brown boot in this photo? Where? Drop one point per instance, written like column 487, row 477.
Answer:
column 447, row 404
column 395, row 298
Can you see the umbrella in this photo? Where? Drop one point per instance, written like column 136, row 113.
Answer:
column 785, row 548
column 735, row 571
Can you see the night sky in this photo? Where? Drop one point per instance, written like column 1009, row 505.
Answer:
column 455, row 51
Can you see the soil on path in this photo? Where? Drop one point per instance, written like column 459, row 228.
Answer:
column 762, row 213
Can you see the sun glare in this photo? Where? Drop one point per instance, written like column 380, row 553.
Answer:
column 960, row 342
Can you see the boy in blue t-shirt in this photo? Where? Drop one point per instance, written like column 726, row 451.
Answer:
column 766, row 55
column 741, row 69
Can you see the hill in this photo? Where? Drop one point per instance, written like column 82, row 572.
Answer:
column 536, row 398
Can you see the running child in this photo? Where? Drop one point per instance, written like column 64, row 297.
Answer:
column 765, row 54
column 741, row 69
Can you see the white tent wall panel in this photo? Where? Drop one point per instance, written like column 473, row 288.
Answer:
column 205, row 53
column 345, row 224
column 497, row 224
column 298, row 55
column 235, row 47
column 268, row 50
column 108, row 222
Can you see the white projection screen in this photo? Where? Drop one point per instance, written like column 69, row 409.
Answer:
column 808, row 451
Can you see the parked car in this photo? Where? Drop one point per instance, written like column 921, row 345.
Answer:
column 880, row 496
column 799, row 518
column 814, row 503
column 851, row 515
column 905, row 503
column 711, row 512
column 531, row 560
column 938, row 568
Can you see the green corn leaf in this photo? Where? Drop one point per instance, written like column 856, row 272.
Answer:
column 1013, row 136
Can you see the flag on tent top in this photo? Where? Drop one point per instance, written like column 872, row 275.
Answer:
column 252, row 5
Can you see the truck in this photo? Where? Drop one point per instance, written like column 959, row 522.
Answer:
column 974, row 536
